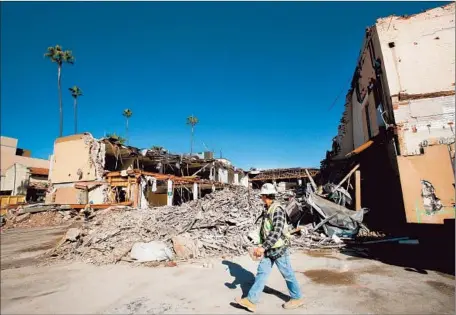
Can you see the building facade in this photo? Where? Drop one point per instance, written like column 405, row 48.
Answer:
column 11, row 155
column 402, row 97
column 103, row 171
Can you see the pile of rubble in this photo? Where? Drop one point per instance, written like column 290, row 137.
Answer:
column 33, row 220
column 211, row 226
column 218, row 224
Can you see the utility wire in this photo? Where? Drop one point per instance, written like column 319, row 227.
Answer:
column 340, row 93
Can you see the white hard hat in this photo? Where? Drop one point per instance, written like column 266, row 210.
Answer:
column 268, row 189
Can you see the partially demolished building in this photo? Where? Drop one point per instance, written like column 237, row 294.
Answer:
column 398, row 122
column 85, row 170
column 284, row 178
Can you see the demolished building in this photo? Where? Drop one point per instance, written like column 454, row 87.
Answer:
column 398, row 122
column 85, row 170
column 283, row 178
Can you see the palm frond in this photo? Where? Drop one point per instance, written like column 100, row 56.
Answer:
column 57, row 55
column 127, row 113
column 75, row 91
column 192, row 120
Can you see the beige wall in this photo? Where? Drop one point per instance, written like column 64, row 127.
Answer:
column 424, row 49
column 71, row 154
column 8, row 156
column 435, row 167
column 16, row 179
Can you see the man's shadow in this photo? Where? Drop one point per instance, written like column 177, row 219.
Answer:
column 245, row 280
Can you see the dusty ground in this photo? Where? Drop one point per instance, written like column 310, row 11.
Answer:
column 332, row 284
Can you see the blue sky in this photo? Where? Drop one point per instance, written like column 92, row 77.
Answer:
column 260, row 76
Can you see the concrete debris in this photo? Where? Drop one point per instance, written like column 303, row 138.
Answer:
column 185, row 247
column 22, row 217
column 152, row 251
column 216, row 224
column 213, row 226
column 41, row 219
column 72, row 234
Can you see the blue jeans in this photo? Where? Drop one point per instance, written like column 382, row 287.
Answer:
column 265, row 268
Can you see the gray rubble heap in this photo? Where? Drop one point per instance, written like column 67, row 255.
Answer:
column 217, row 224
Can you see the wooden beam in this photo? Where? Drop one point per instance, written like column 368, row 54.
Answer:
column 100, row 206
column 346, row 177
column 312, row 182
column 358, row 189
column 271, row 177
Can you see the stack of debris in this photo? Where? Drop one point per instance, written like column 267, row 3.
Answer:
column 214, row 225
column 38, row 215
column 218, row 224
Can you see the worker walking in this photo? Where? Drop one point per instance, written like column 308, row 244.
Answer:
column 273, row 248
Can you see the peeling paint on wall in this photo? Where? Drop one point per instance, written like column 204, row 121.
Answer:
column 431, row 203
column 425, row 122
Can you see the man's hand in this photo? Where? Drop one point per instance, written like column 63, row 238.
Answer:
column 259, row 251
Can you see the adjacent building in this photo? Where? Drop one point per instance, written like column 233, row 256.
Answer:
column 103, row 171
column 22, row 174
column 399, row 116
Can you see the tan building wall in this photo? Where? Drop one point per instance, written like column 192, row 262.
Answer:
column 419, row 62
column 417, row 55
column 8, row 157
column 71, row 161
column 423, row 57
column 435, row 167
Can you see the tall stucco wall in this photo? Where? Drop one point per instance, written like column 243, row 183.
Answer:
column 423, row 57
column 72, row 160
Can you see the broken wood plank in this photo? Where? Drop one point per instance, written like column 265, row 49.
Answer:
column 358, row 190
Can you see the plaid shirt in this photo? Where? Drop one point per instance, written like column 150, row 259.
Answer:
column 278, row 223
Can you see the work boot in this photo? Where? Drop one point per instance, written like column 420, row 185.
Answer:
column 246, row 304
column 293, row 303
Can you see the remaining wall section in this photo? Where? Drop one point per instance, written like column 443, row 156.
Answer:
column 422, row 59
column 435, row 167
column 425, row 122
column 77, row 158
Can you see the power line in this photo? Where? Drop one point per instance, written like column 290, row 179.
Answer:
column 340, row 93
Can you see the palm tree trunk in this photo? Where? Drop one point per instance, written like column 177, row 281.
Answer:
column 128, row 142
column 191, row 143
column 75, row 115
column 60, row 99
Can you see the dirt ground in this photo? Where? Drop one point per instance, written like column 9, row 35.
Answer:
column 333, row 283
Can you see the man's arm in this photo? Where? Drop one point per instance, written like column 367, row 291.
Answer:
column 278, row 223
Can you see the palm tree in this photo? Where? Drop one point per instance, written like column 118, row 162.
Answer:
column 192, row 121
column 127, row 114
column 57, row 55
column 116, row 137
column 75, row 93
